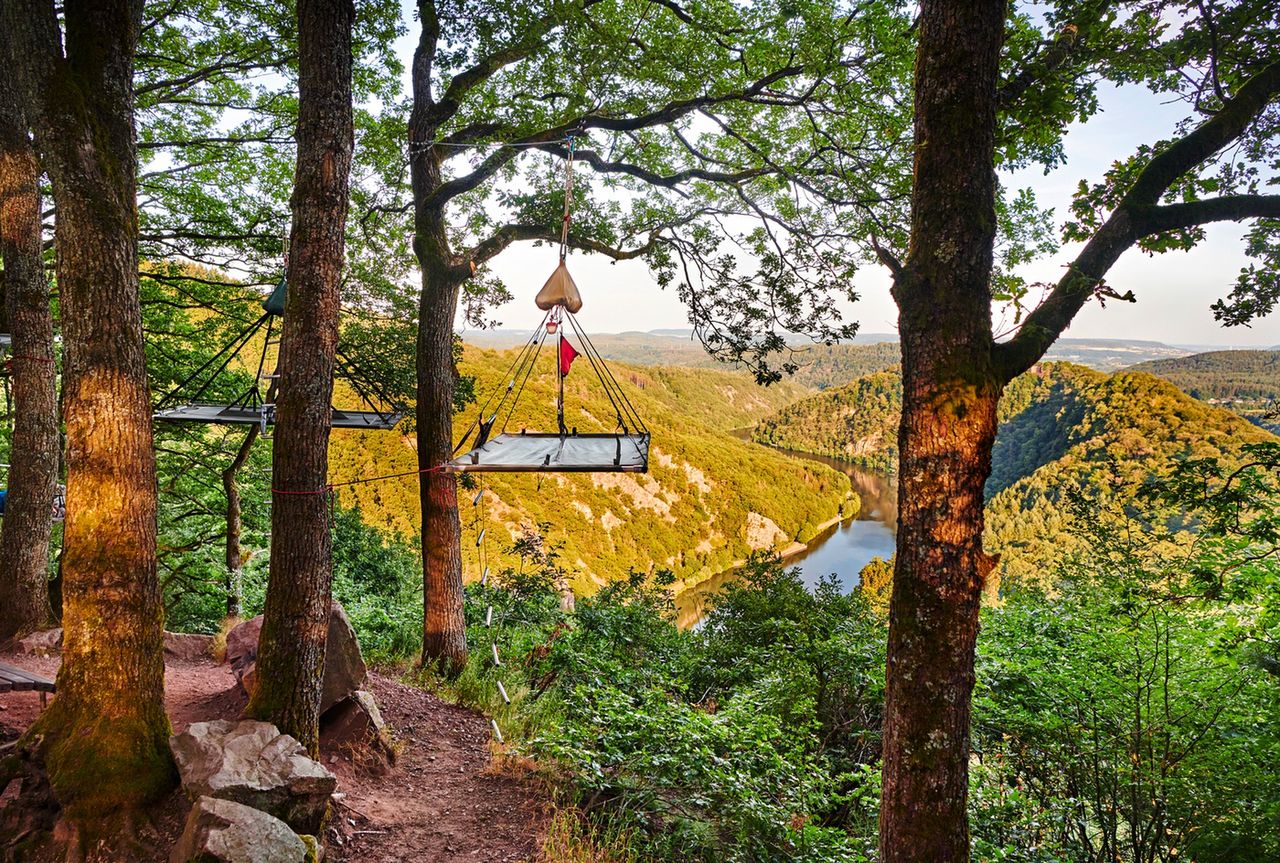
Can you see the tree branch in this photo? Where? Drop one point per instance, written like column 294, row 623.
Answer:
column 660, row 116
column 1229, row 208
column 1137, row 215
column 492, row 246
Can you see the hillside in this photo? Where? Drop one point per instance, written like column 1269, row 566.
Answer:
column 707, row 500
column 857, row 423
column 1064, row 428
column 1247, row 382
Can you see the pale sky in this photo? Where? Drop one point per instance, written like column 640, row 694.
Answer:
column 1174, row 290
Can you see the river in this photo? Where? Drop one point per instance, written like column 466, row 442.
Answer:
column 841, row 550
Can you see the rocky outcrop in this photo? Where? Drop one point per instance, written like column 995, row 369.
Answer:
column 223, row 831
column 254, row 764
column 344, row 668
column 242, row 643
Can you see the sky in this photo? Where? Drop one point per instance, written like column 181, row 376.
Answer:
column 1174, row 290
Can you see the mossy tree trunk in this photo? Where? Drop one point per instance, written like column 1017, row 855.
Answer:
column 950, row 391
column 33, row 474
column 296, row 617
column 104, row 739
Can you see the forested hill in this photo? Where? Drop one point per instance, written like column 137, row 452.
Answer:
column 1063, row 428
column 708, row 499
column 1221, row 375
column 1248, row 382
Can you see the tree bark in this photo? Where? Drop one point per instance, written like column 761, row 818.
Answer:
column 234, row 558
column 296, row 617
column 950, row 392
column 444, row 632
column 33, row 474
column 104, row 738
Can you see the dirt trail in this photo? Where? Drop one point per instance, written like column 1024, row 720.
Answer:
column 440, row 803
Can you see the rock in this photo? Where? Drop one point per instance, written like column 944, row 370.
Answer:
column 45, row 643
column 356, row 723
column 249, row 679
column 344, row 668
column 222, row 831
column 187, row 646
column 252, row 763
column 242, row 644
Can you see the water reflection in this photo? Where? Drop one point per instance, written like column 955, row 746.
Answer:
column 842, row 550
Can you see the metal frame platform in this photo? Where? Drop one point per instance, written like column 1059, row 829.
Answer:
column 243, row 415
column 542, row 452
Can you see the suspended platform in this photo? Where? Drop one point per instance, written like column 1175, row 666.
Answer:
column 255, row 405
column 541, row 452
column 215, row 414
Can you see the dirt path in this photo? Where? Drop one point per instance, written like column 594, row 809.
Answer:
column 440, row 803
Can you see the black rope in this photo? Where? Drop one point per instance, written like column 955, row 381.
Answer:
column 492, row 395
column 635, row 415
column 266, row 349
column 363, row 383
column 527, row 374
column 234, row 347
column 622, row 423
column 603, row 372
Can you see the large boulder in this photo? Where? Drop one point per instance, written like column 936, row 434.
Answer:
column 242, row 644
column 222, row 831
column 44, row 643
column 252, row 763
column 344, row 669
column 354, row 725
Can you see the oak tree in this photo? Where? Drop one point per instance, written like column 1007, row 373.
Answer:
column 33, row 473
column 295, row 624
column 1218, row 57
column 694, row 125
column 104, row 739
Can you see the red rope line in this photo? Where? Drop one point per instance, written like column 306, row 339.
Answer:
column 333, row 485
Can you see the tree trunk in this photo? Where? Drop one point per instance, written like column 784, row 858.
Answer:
column 33, row 475
column 296, row 617
column 444, row 630
column 950, row 392
column 104, row 739
column 234, row 557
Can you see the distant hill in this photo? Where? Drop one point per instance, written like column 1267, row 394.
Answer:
column 825, row 366
column 821, row 366
column 1247, row 382
column 1221, row 375
column 708, row 499
column 1064, row 428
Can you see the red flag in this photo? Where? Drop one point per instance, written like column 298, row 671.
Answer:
column 567, row 356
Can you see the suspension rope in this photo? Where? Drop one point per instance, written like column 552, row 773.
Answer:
column 606, row 378
column 537, row 333
column 568, row 199
column 233, row 347
column 528, row 373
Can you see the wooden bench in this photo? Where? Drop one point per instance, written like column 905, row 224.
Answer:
column 16, row 680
